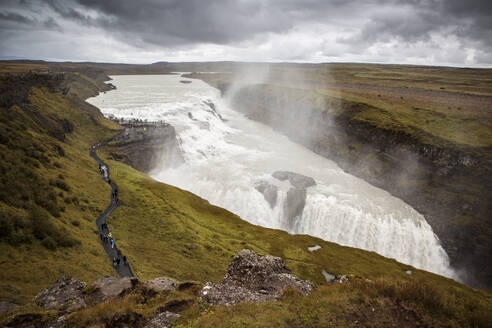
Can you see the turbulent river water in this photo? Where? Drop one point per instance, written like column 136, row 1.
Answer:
column 226, row 155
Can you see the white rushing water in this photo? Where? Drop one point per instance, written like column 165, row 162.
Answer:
column 224, row 159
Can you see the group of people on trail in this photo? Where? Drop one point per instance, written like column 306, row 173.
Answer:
column 108, row 238
column 105, row 234
column 103, row 170
column 118, row 260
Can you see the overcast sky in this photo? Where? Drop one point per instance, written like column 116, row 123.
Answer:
column 431, row 32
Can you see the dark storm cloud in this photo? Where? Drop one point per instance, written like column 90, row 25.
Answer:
column 478, row 14
column 415, row 20
column 288, row 28
column 66, row 10
column 12, row 23
column 213, row 21
column 180, row 22
column 177, row 22
column 226, row 21
column 16, row 13
column 14, row 17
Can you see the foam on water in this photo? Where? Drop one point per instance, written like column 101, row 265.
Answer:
column 225, row 158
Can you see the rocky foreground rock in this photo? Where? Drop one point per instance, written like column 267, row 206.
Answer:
column 74, row 294
column 162, row 283
column 254, row 278
column 65, row 291
column 108, row 287
column 162, row 320
column 70, row 294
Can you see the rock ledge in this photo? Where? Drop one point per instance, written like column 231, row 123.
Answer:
column 254, row 278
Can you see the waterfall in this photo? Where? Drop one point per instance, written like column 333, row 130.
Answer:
column 227, row 155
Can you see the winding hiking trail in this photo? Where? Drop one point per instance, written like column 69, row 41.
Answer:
column 123, row 269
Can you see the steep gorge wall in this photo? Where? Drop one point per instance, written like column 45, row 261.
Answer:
column 147, row 145
column 450, row 186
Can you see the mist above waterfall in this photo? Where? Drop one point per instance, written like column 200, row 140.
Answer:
column 227, row 156
column 285, row 98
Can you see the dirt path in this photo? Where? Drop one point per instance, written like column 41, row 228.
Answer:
column 123, row 268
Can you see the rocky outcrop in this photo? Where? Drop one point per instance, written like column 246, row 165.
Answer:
column 296, row 180
column 67, row 295
column 162, row 320
column 64, row 292
column 107, row 288
column 60, row 322
column 148, row 144
column 162, row 283
column 269, row 191
column 254, row 278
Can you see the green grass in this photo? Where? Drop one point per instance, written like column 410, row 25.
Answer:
column 43, row 192
column 165, row 231
column 358, row 304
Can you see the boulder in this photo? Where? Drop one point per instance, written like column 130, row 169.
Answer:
column 162, row 283
column 296, row 180
column 254, row 278
column 223, row 294
column 108, row 287
column 269, row 191
column 60, row 322
column 65, row 291
column 162, row 320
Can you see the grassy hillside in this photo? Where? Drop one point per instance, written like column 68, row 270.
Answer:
column 51, row 195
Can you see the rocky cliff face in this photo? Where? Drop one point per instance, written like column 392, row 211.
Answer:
column 148, row 144
column 449, row 185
